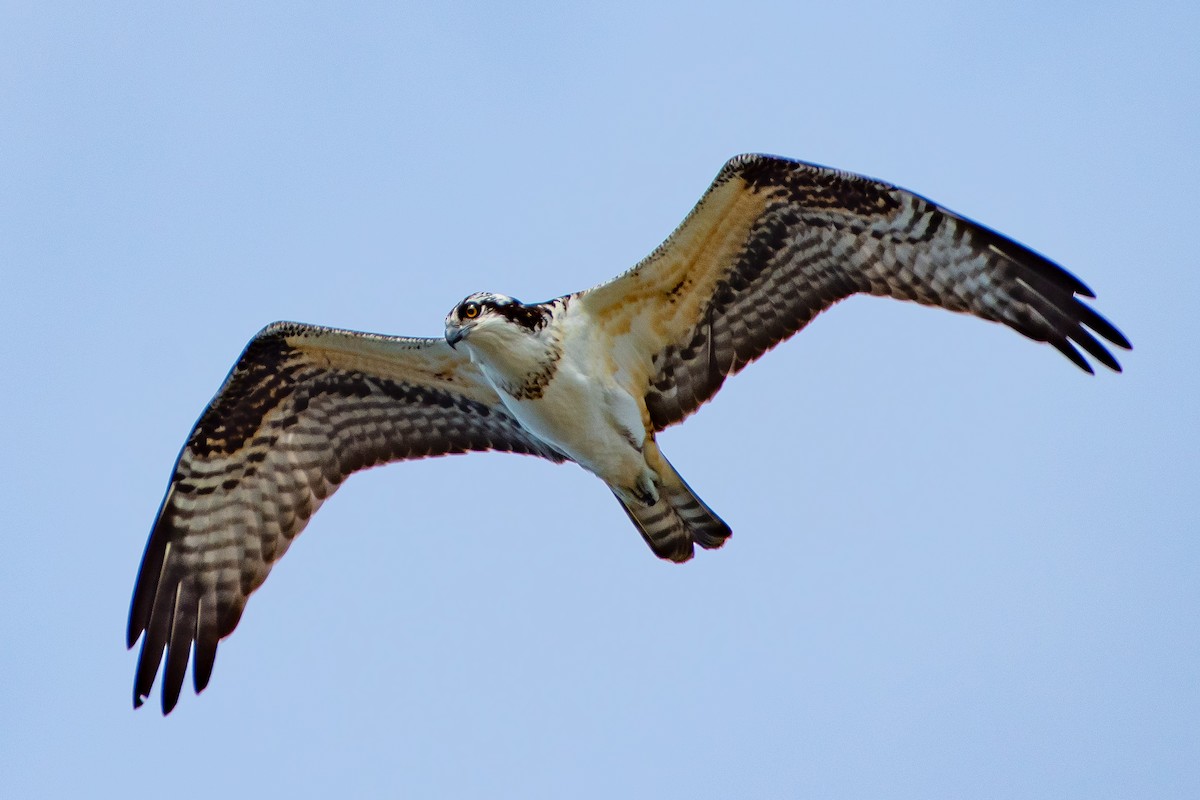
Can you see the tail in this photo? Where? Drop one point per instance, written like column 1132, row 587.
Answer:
column 679, row 518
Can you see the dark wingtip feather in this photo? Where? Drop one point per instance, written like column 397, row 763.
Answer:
column 178, row 652
column 158, row 633
column 1095, row 349
column 142, row 605
column 147, row 669
column 1092, row 319
column 203, row 668
column 207, row 637
column 1030, row 259
column 1063, row 346
column 149, row 575
column 134, row 628
column 1065, row 316
column 1057, row 292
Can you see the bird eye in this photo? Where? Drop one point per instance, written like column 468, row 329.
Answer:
column 471, row 310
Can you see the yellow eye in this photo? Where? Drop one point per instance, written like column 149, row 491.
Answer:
column 471, row 310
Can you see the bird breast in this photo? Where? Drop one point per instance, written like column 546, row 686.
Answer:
column 574, row 403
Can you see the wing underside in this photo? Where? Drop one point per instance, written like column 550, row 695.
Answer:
column 775, row 242
column 302, row 409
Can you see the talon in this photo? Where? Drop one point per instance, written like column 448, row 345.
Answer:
column 647, row 488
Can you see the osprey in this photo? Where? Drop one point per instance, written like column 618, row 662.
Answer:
column 590, row 377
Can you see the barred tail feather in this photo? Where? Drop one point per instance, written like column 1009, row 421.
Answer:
column 677, row 520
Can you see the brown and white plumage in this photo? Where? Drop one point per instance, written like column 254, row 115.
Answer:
column 302, row 409
column 774, row 242
column 589, row 377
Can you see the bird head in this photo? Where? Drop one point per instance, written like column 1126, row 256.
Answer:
column 493, row 319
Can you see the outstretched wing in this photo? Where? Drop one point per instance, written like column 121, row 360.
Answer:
column 775, row 242
column 302, row 409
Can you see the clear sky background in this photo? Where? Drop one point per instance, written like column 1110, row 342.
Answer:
column 960, row 567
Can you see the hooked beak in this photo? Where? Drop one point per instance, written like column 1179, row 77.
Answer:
column 454, row 336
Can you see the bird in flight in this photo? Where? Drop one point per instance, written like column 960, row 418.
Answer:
column 590, row 377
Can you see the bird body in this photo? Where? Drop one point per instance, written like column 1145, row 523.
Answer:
column 565, row 381
column 583, row 408
column 590, row 377
column 586, row 414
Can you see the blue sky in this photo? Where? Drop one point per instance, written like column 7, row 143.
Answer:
column 960, row 567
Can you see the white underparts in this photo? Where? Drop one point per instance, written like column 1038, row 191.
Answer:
column 582, row 410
